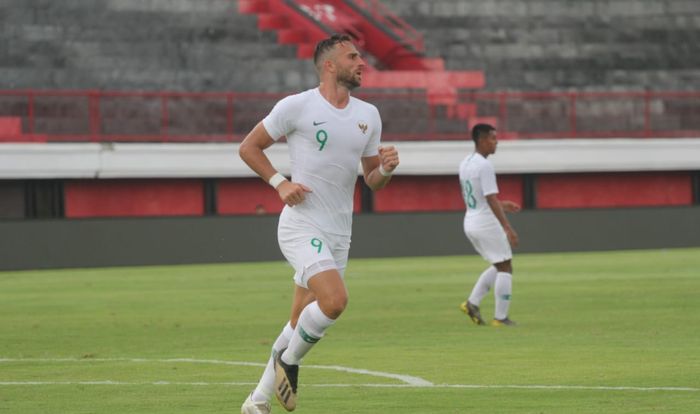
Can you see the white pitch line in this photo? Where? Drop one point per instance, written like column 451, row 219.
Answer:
column 408, row 381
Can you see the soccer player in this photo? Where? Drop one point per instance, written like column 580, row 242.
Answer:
column 329, row 134
column 487, row 227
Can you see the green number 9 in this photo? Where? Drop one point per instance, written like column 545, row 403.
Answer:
column 321, row 137
column 318, row 244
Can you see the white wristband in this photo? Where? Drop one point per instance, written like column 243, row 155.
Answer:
column 384, row 172
column 276, row 180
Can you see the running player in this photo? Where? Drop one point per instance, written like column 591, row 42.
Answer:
column 329, row 133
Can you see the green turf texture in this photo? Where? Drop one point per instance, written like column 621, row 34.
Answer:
column 604, row 319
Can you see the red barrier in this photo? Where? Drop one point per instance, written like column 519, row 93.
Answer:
column 159, row 197
column 132, row 198
column 103, row 116
column 10, row 126
column 614, row 190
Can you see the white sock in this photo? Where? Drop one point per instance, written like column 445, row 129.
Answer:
column 310, row 329
column 483, row 285
column 266, row 387
column 503, row 291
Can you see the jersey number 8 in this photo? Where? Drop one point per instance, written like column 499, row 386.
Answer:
column 468, row 194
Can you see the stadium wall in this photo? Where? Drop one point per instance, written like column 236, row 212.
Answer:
column 93, row 180
column 41, row 244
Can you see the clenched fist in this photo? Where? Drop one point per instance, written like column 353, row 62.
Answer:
column 389, row 158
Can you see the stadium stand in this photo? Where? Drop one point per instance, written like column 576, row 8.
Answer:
column 544, row 45
column 207, row 45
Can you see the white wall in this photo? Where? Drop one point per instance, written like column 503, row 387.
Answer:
column 92, row 160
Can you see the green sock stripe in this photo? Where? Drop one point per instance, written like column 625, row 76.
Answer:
column 306, row 337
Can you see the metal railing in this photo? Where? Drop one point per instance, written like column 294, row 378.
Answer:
column 110, row 116
column 394, row 23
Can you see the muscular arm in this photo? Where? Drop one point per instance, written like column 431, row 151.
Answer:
column 389, row 158
column 251, row 152
column 500, row 214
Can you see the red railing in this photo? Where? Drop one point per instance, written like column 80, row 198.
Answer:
column 103, row 116
column 394, row 23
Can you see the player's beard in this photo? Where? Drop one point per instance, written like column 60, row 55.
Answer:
column 347, row 79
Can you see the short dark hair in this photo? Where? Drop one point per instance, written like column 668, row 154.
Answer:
column 481, row 130
column 327, row 44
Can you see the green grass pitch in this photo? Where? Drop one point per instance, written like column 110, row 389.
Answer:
column 609, row 332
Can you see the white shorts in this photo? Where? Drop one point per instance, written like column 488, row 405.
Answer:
column 311, row 251
column 490, row 242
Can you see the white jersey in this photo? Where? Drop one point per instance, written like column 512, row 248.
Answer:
column 325, row 148
column 478, row 180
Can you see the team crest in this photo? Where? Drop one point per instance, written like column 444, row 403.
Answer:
column 363, row 127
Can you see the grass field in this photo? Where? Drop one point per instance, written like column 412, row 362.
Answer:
column 603, row 333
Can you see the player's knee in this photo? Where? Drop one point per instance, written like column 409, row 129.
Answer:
column 334, row 305
column 506, row 267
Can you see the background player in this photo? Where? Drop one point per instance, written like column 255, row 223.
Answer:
column 487, row 227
